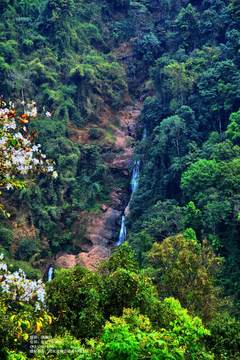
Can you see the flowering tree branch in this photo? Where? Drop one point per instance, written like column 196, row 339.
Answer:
column 19, row 156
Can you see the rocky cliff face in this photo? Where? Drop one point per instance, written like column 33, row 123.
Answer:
column 102, row 229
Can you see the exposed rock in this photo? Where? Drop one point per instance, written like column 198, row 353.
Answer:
column 92, row 259
column 89, row 259
column 125, row 137
column 66, row 261
column 122, row 161
column 102, row 229
column 104, row 207
column 22, row 229
column 127, row 211
column 117, row 199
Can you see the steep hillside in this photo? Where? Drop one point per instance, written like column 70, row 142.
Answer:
column 136, row 107
column 87, row 70
column 86, row 123
column 102, row 226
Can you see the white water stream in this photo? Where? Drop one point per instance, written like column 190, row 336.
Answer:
column 134, row 187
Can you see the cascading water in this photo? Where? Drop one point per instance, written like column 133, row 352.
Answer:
column 144, row 134
column 123, row 232
column 135, row 177
column 134, row 187
column 50, row 273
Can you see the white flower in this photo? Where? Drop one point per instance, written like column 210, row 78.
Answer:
column 10, row 126
column 9, row 186
column 55, row 175
column 35, row 161
column 3, row 266
column 17, row 285
column 18, row 155
column 19, row 136
column 35, row 148
column 50, row 168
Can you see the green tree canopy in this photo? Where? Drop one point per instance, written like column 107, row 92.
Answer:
column 185, row 269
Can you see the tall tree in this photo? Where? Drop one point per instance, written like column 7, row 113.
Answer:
column 185, row 269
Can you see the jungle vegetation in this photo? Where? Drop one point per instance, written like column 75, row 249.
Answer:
column 172, row 291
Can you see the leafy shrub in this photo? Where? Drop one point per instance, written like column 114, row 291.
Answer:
column 27, row 248
column 6, row 237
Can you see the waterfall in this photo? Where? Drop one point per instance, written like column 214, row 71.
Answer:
column 50, row 273
column 144, row 136
column 136, row 170
column 134, row 186
column 135, row 176
column 123, row 232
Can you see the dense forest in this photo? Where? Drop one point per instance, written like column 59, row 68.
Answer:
column 92, row 91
